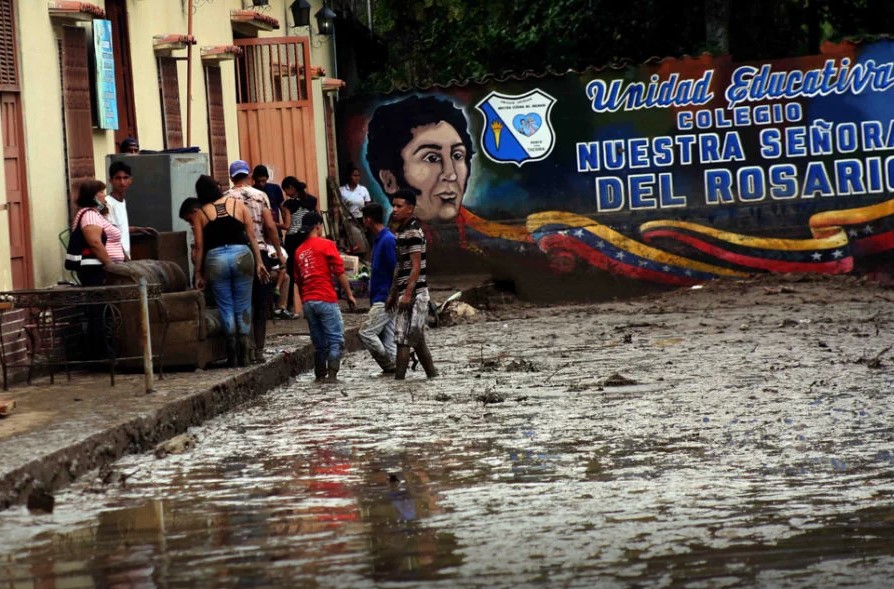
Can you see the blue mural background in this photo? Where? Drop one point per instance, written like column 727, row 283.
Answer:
column 555, row 210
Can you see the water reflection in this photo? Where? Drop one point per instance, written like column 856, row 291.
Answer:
column 374, row 484
column 333, row 511
column 399, row 501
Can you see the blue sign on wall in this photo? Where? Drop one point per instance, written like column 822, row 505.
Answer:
column 106, row 98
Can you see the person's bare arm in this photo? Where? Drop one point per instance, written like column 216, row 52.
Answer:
column 286, row 217
column 415, row 270
column 198, row 227
column 272, row 234
column 346, row 287
column 245, row 217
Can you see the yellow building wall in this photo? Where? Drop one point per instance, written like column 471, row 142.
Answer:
column 42, row 105
column 44, row 140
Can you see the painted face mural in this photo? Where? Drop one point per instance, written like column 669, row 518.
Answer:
column 673, row 172
column 422, row 143
column 435, row 165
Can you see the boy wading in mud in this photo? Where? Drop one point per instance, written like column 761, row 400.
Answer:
column 409, row 290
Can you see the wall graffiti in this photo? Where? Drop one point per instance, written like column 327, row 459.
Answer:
column 671, row 172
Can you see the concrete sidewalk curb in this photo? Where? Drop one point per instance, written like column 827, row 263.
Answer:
column 144, row 432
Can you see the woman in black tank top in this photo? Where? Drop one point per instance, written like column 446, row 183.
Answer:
column 227, row 259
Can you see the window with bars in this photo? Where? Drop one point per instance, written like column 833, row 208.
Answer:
column 169, row 86
column 9, row 72
column 271, row 71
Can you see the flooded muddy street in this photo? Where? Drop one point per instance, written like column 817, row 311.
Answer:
column 732, row 436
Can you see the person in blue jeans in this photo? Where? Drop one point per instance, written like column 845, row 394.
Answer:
column 377, row 332
column 317, row 265
column 227, row 258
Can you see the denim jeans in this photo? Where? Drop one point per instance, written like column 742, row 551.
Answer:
column 377, row 335
column 230, row 271
column 327, row 332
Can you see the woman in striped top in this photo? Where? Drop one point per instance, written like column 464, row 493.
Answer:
column 103, row 239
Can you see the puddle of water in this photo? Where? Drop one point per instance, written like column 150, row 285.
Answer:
column 702, row 479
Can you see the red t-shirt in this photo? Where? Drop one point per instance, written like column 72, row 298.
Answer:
column 317, row 262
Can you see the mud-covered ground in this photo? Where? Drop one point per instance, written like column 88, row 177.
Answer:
column 735, row 435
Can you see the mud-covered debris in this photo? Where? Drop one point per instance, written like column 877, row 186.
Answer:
column 774, row 290
column 488, row 362
column 458, row 312
column 618, row 380
column 40, row 501
column 490, row 397
column 521, row 365
column 579, row 387
column 7, row 406
column 442, row 397
column 874, row 362
column 176, row 445
column 787, row 322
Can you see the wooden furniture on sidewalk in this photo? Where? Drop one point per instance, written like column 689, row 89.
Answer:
column 49, row 335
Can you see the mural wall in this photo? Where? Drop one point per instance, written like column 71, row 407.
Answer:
column 670, row 173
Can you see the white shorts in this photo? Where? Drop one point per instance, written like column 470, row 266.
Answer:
column 409, row 324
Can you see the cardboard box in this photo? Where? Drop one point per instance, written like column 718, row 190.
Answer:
column 352, row 264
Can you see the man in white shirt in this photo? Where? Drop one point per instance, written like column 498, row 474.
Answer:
column 120, row 178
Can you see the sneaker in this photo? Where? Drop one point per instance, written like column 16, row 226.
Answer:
column 284, row 314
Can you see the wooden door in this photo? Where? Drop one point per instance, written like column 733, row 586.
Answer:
column 217, row 127
column 275, row 107
column 169, row 85
column 16, row 191
column 14, row 160
column 76, row 106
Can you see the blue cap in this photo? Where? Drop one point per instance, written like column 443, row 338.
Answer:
column 239, row 167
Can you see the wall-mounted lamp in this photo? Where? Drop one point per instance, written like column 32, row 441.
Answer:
column 325, row 20
column 325, row 17
column 300, row 13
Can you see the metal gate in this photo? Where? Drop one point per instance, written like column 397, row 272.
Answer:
column 275, row 107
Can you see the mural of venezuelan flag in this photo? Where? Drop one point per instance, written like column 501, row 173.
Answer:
column 827, row 255
column 556, row 233
column 870, row 229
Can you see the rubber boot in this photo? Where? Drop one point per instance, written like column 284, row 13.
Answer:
column 332, row 372
column 231, row 351
column 243, row 356
column 385, row 363
column 424, row 356
column 402, row 362
column 319, row 367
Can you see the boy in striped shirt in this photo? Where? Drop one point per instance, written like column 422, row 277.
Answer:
column 409, row 291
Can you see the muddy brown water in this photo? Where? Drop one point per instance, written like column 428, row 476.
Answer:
column 735, row 450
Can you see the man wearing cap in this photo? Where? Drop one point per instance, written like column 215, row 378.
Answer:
column 264, row 226
column 129, row 145
column 317, row 263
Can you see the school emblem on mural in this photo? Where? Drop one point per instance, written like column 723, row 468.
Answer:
column 517, row 129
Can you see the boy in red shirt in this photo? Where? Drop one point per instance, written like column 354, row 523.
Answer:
column 317, row 262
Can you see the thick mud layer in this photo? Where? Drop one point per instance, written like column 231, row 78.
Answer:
column 732, row 436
